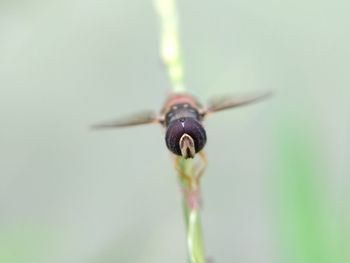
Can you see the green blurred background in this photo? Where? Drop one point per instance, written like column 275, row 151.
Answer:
column 276, row 189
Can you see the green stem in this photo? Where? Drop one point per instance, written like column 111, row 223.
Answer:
column 171, row 56
column 170, row 44
column 191, row 208
column 194, row 236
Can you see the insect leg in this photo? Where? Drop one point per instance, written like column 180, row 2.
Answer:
column 184, row 177
column 201, row 167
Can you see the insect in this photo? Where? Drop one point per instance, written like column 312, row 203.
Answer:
column 182, row 116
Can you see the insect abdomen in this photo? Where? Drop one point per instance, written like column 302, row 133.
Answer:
column 185, row 126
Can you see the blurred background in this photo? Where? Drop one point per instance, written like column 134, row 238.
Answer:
column 276, row 189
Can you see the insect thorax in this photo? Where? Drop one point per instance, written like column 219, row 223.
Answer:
column 180, row 111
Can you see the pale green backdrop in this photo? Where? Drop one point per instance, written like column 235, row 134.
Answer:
column 276, row 189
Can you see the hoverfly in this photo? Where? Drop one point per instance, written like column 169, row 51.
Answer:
column 182, row 116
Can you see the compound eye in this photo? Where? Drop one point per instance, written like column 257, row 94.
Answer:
column 178, row 128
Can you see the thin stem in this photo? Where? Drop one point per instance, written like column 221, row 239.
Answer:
column 189, row 174
column 170, row 44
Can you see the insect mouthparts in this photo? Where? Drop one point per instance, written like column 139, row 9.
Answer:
column 187, row 147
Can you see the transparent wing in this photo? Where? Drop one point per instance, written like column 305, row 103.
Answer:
column 143, row 117
column 228, row 102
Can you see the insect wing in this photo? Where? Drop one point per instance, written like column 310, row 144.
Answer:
column 228, row 102
column 144, row 117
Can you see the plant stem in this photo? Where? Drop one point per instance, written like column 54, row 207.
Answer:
column 189, row 175
column 189, row 181
column 170, row 44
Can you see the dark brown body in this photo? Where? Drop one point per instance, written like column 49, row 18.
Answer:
column 185, row 135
